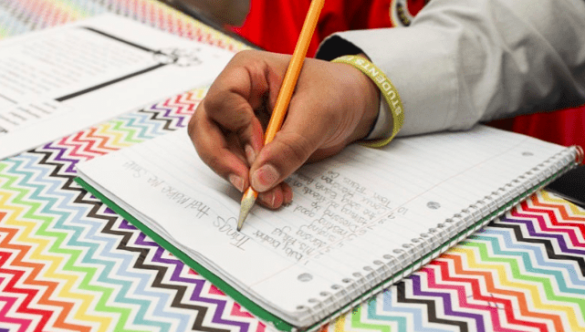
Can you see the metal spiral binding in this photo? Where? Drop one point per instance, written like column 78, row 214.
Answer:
column 462, row 224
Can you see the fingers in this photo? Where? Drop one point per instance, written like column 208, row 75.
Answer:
column 219, row 151
column 322, row 119
column 226, row 128
column 277, row 196
column 302, row 134
column 224, row 155
column 233, row 99
column 234, row 96
column 326, row 113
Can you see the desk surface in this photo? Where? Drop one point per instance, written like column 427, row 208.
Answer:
column 67, row 262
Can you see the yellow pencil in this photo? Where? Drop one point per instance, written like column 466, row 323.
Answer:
column 285, row 94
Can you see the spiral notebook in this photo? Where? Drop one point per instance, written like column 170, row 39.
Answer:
column 359, row 221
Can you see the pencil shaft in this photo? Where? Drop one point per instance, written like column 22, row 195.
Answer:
column 293, row 71
column 285, row 94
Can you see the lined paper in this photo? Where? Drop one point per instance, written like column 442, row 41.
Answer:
column 348, row 213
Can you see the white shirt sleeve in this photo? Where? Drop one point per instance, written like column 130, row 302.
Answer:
column 465, row 61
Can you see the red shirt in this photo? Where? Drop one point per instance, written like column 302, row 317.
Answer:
column 274, row 25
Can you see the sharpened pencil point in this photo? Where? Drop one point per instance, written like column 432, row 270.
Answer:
column 248, row 201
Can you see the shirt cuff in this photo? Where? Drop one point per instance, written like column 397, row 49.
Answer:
column 421, row 68
column 383, row 125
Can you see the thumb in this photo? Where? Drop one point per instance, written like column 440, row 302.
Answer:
column 279, row 159
column 310, row 122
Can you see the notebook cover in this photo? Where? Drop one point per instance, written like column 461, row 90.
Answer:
column 571, row 186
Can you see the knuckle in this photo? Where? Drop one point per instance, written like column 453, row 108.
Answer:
column 296, row 147
column 192, row 125
column 214, row 162
column 212, row 102
column 244, row 57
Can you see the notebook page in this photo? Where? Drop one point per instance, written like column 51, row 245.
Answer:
column 60, row 80
column 348, row 213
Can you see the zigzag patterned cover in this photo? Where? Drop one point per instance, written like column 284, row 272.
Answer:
column 68, row 263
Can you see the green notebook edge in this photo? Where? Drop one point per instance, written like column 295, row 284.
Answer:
column 250, row 305
column 265, row 315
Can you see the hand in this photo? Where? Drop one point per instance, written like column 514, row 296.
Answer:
column 333, row 105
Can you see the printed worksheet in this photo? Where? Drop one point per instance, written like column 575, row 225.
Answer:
column 59, row 81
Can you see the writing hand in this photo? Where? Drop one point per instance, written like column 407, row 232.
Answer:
column 333, row 105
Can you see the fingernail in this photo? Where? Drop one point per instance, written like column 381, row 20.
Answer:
column 264, row 178
column 268, row 199
column 237, row 182
column 250, row 154
column 288, row 196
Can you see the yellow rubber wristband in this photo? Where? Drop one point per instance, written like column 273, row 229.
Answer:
column 387, row 90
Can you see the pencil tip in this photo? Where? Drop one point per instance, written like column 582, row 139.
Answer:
column 247, row 204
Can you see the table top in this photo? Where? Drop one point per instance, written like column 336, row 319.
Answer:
column 68, row 263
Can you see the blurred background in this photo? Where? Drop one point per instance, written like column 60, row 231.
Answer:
column 221, row 13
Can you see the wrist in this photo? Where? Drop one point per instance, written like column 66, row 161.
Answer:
column 394, row 116
column 368, row 95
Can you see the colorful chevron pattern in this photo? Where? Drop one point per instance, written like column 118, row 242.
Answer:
column 68, row 263
column 20, row 16
column 523, row 272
